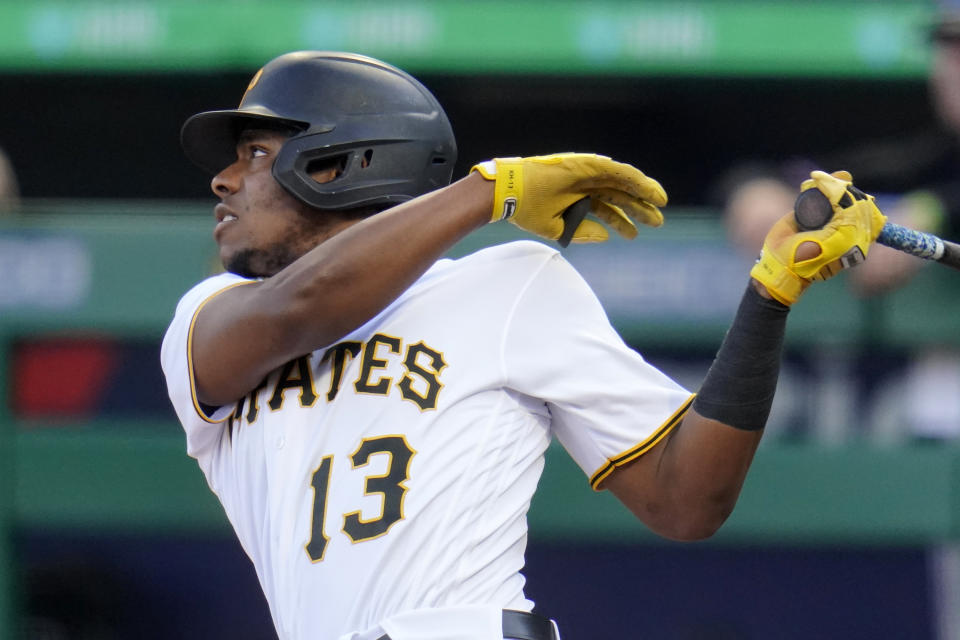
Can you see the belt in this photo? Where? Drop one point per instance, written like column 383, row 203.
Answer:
column 520, row 625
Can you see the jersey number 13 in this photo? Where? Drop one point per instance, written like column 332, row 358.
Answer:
column 389, row 485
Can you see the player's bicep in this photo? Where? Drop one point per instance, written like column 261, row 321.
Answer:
column 235, row 339
column 635, row 483
column 686, row 486
column 642, row 486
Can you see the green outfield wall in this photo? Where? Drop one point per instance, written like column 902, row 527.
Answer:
column 706, row 37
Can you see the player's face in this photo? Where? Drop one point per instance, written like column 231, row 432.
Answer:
column 261, row 228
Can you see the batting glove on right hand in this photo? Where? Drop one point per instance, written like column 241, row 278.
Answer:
column 786, row 268
column 534, row 192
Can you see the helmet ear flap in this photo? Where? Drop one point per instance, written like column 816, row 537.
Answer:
column 298, row 164
column 382, row 171
column 326, row 169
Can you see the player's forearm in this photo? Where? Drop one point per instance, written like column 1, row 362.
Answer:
column 690, row 483
column 247, row 332
column 345, row 281
column 706, row 460
column 739, row 387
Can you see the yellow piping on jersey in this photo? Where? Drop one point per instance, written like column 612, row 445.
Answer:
column 635, row 452
column 193, row 386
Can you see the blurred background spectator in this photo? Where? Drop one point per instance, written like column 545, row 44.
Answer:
column 9, row 190
column 916, row 178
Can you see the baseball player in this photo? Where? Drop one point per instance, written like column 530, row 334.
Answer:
column 374, row 418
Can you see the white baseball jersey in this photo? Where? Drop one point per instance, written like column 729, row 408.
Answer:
column 381, row 484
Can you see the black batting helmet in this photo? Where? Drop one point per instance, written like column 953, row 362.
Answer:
column 390, row 135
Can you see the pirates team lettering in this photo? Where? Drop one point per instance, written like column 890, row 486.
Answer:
column 419, row 384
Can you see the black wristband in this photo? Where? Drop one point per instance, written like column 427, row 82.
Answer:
column 739, row 387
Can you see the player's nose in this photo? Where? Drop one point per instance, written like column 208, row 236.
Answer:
column 227, row 181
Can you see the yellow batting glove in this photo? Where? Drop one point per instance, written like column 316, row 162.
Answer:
column 787, row 265
column 533, row 193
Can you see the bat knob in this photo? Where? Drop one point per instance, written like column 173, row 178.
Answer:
column 812, row 210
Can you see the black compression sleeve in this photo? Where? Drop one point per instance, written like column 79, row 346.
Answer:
column 738, row 389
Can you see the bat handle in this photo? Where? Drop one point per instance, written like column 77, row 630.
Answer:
column 572, row 217
column 920, row 244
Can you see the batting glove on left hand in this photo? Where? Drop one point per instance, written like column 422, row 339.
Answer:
column 843, row 242
column 534, row 192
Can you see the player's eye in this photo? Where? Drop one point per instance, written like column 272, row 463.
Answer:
column 258, row 151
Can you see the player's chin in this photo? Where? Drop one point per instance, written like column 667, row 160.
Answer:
column 255, row 263
column 241, row 262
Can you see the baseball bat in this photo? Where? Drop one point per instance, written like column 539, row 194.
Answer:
column 812, row 210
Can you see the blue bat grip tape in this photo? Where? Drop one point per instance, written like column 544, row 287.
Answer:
column 923, row 245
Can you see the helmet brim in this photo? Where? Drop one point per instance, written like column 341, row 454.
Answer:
column 209, row 139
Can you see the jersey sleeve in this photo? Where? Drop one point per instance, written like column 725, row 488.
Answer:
column 201, row 422
column 608, row 406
